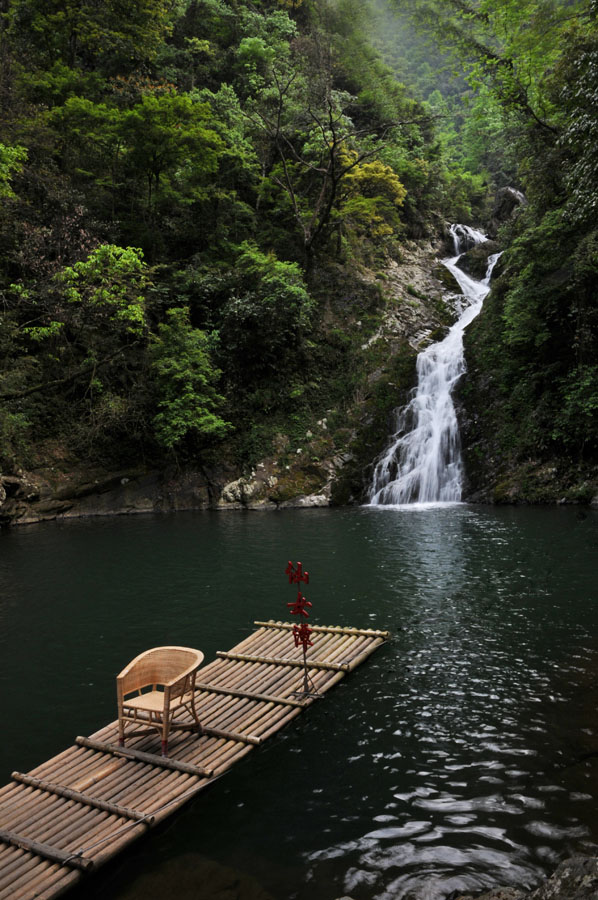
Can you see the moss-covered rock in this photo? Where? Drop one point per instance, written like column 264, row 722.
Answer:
column 475, row 261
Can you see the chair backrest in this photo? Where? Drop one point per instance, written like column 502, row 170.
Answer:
column 160, row 665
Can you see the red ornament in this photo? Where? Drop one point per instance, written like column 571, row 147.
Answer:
column 298, row 607
column 296, row 575
column 301, row 634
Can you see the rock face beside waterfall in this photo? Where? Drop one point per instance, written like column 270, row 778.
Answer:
column 475, row 260
column 507, row 203
column 496, row 472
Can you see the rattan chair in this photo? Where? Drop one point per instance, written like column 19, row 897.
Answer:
column 156, row 686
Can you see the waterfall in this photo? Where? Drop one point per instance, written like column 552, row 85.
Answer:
column 422, row 463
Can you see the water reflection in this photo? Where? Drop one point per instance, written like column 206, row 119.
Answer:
column 459, row 757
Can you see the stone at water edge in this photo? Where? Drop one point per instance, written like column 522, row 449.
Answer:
column 574, row 879
column 502, row 893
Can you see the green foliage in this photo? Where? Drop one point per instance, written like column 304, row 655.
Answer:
column 246, row 151
column 168, row 134
column 184, row 379
column 371, row 198
column 12, row 160
column 108, row 288
column 574, row 87
column 14, row 437
column 576, row 424
column 263, row 321
column 83, row 33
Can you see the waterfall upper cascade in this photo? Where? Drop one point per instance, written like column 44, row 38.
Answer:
column 422, row 463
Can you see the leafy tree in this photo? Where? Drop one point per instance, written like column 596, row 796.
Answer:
column 264, row 320
column 84, row 33
column 170, row 142
column 11, row 162
column 84, row 317
column 107, row 289
column 574, row 88
column 371, row 199
column 184, row 380
column 507, row 44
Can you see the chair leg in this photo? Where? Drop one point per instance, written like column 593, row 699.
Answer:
column 194, row 711
column 165, row 730
column 121, row 733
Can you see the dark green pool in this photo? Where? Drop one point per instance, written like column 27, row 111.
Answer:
column 459, row 756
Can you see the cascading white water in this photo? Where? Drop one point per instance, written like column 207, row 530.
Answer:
column 423, row 461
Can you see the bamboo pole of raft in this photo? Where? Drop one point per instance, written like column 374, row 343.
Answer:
column 150, row 796
column 264, row 639
column 267, row 677
column 164, row 762
column 44, row 880
column 38, row 810
column 78, row 797
column 238, row 686
column 241, row 678
column 271, row 643
column 251, row 718
column 241, row 705
column 279, row 661
column 265, row 698
column 45, row 851
column 55, row 884
column 103, row 780
column 22, row 869
column 128, row 779
column 99, row 776
column 118, row 784
column 154, row 799
column 21, row 814
column 12, row 874
column 135, row 779
column 230, row 735
column 328, row 629
column 50, row 828
column 21, row 862
column 221, row 726
column 126, row 837
column 65, row 757
column 277, row 679
column 267, row 643
column 77, row 757
column 32, row 876
column 284, row 649
column 257, row 719
column 74, row 777
column 80, row 767
column 62, row 882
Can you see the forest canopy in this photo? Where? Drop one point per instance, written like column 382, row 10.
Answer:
column 178, row 180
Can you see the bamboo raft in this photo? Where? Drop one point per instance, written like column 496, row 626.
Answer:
column 79, row 809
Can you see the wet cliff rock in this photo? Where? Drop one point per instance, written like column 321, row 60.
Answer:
column 507, row 203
